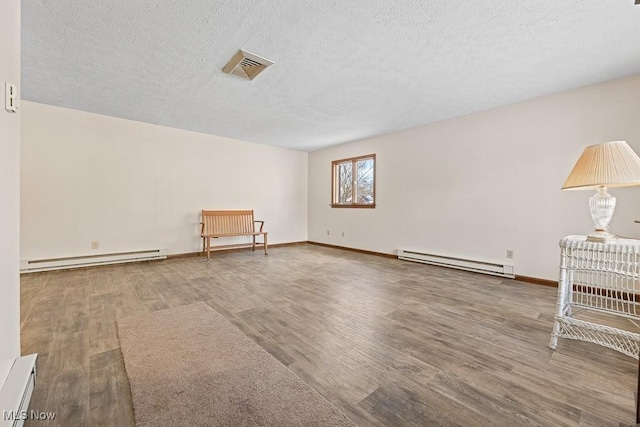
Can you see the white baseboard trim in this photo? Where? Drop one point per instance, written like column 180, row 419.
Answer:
column 16, row 392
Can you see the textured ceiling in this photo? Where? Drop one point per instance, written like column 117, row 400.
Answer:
column 344, row 70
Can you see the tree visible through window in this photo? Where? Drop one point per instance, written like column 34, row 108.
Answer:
column 353, row 182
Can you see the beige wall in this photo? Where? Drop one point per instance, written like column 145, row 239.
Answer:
column 133, row 186
column 9, row 190
column 478, row 185
column 474, row 186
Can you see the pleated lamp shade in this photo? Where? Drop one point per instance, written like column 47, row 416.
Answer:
column 612, row 164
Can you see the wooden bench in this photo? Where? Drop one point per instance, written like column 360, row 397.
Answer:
column 217, row 224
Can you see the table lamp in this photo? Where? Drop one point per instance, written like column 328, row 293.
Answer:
column 612, row 164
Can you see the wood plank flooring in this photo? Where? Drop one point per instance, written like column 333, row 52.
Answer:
column 389, row 342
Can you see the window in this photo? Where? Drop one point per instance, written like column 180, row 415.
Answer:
column 353, row 182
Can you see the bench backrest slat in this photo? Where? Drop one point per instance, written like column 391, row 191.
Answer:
column 227, row 222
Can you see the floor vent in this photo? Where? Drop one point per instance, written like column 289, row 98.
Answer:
column 246, row 64
column 31, row 266
column 496, row 269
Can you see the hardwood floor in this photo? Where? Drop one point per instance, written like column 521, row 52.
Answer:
column 387, row 341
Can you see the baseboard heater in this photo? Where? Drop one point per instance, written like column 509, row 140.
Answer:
column 496, row 269
column 34, row 265
column 16, row 392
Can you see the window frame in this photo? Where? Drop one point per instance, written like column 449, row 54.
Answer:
column 334, row 182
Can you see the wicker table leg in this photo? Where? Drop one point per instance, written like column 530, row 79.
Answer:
column 638, row 396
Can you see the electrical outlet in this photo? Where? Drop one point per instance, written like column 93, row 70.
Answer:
column 510, row 253
column 95, row 245
column 327, row 232
column 343, row 234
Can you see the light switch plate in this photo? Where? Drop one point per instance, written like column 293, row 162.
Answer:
column 10, row 97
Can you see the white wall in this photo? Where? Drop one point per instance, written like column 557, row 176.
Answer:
column 9, row 191
column 484, row 183
column 132, row 186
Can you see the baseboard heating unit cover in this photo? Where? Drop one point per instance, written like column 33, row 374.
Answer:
column 16, row 392
column 30, row 266
column 477, row 266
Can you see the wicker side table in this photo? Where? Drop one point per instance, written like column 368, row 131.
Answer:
column 601, row 277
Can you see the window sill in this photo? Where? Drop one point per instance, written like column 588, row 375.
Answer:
column 371, row 206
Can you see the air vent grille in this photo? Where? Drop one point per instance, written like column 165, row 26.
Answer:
column 246, row 65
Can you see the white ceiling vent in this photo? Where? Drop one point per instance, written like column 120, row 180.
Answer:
column 246, row 64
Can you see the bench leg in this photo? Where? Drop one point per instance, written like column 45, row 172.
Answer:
column 265, row 244
column 254, row 243
column 208, row 248
column 204, row 247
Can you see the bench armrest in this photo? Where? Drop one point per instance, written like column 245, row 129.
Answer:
column 261, row 225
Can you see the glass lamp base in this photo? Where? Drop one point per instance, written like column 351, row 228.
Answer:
column 601, row 236
column 602, row 204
